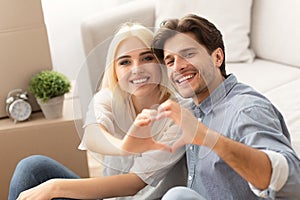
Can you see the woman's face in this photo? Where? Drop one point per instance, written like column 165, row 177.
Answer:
column 137, row 70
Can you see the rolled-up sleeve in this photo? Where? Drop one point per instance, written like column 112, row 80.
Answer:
column 262, row 127
column 280, row 173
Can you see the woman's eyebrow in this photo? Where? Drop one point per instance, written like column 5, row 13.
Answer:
column 122, row 57
column 146, row 52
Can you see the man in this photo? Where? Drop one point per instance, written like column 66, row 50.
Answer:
column 238, row 143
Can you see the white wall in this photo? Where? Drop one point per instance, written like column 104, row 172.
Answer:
column 63, row 18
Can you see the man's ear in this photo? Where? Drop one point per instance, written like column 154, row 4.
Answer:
column 218, row 57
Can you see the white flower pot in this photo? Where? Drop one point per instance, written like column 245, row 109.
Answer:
column 52, row 108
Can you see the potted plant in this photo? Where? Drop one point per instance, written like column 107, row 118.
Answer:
column 49, row 88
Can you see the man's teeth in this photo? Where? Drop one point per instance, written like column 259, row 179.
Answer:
column 185, row 78
column 138, row 81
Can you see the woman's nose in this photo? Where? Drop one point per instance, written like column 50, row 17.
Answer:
column 137, row 68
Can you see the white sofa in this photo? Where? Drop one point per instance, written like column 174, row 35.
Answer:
column 272, row 41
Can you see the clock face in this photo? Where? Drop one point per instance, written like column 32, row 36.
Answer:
column 20, row 110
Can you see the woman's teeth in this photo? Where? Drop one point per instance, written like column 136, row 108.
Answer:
column 138, row 81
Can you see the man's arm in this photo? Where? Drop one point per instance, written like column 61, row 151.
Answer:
column 253, row 165
column 89, row 188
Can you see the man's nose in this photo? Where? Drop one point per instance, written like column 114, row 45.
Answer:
column 179, row 63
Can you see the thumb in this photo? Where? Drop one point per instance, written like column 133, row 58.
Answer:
column 178, row 144
column 160, row 146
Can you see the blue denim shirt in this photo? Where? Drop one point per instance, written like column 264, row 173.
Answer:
column 238, row 112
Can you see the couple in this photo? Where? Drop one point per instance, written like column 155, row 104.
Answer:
column 237, row 144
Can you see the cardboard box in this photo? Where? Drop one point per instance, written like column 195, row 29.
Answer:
column 15, row 14
column 56, row 138
column 22, row 54
column 24, row 48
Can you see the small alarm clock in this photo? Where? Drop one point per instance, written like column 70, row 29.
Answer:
column 17, row 106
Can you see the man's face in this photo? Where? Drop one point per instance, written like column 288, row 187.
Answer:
column 190, row 68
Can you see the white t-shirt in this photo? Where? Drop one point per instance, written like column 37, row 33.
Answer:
column 156, row 168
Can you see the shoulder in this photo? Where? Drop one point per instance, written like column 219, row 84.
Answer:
column 103, row 93
column 244, row 97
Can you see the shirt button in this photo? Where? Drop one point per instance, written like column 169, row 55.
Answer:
column 190, row 178
column 191, row 148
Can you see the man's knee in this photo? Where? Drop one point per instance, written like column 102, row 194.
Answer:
column 182, row 193
column 33, row 162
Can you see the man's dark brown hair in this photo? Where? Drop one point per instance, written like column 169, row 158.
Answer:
column 205, row 32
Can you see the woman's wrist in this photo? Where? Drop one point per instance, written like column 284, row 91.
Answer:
column 54, row 188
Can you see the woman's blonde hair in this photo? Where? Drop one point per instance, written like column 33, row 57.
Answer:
column 128, row 30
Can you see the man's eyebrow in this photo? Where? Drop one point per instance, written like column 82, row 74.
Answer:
column 182, row 51
column 167, row 57
column 186, row 49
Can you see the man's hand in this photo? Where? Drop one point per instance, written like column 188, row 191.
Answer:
column 139, row 138
column 193, row 130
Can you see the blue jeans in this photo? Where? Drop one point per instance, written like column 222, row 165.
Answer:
column 35, row 170
column 182, row 193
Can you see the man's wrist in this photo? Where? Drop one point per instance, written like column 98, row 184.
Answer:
column 210, row 138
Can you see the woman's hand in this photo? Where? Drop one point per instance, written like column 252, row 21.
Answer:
column 139, row 138
column 40, row 192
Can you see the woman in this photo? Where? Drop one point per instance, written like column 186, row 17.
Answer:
column 133, row 85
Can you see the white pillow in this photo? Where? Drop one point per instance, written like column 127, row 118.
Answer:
column 231, row 17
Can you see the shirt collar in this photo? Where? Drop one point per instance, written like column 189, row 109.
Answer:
column 216, row 96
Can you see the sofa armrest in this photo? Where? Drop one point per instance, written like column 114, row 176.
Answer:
column 97, row 31
column 97, row 28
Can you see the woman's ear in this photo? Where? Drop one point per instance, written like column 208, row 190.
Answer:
column 218, row 57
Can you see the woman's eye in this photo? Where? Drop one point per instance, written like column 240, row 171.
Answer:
column 124, row 62
column 148, row 58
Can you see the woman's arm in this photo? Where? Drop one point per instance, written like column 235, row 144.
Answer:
column 89, row 188
column 98, row 140
column 138, row 139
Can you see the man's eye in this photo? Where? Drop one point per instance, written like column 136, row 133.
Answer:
column 189, row 54
column 169, row 63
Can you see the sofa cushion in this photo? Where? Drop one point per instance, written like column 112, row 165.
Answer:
column 264, row 75
column 287, row 99
column 274, row 32
column 232, row 17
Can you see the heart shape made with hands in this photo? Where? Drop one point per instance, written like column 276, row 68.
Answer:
column 139, row 138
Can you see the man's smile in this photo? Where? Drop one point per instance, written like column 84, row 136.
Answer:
column 182, row 79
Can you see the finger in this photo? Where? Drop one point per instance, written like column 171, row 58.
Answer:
column 161, row 115
column 153, row 114
column 163, row 107
column 142, row 122
column 150, row 113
